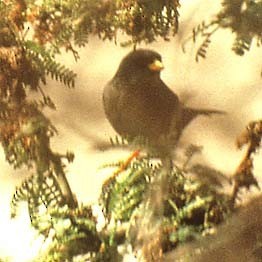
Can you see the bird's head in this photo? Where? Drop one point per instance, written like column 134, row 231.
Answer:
column 141, row 62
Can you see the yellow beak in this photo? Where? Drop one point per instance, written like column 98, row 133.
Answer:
column 156, row 66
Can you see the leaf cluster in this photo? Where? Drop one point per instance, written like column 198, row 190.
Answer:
column 75, row 234
column 242, row 17
column 189, row 209
column 243, row 176
column 40, row 192
column 25, row 64
column 68, row 23
column 72, row 230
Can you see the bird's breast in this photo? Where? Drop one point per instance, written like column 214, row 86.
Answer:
column 137, row 112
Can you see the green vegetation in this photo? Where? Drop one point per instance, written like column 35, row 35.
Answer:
column 32, row 35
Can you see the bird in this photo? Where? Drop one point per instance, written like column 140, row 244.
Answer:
column 138, row 103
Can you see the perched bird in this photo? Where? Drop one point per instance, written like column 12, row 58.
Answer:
column 138, row 103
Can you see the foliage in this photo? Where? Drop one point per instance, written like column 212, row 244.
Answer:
column 74, row 233
column 242, row 17
column 38, row 192
column 189, row 207
column 64, row 23
column 244, row 176
column 32, row 36
column 25, row 132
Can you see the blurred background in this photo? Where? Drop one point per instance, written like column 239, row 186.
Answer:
column 222, row 81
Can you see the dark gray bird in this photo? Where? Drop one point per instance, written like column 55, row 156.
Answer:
column 138, row 103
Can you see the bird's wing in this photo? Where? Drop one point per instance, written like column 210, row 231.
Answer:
column 125, row 110
column 111, row 97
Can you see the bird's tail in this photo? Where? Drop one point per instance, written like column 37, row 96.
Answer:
column 188, row 114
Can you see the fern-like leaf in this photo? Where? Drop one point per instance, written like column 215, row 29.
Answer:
column 37, row 191
column 242, row 44
column 117, row 200
column 59, row 72
column 47, row 64
column 202, row 50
